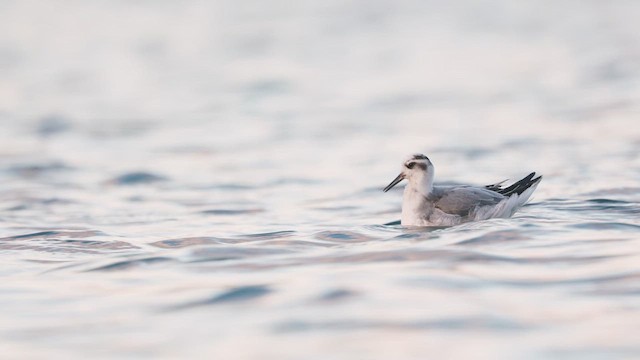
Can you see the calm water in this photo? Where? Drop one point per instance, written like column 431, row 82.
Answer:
column 200, row 179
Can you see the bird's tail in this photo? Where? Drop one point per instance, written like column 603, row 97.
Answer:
column 518, row 187
column 517, row 195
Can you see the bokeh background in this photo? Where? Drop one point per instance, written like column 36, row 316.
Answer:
column 202, row 178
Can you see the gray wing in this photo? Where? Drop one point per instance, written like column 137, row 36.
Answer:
column 461, row 200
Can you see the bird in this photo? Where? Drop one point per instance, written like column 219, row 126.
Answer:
column 425, row 204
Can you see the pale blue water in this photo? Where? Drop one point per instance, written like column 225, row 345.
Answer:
column 203, row 179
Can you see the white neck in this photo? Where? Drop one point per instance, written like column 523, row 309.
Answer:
column 421, row 182
column 414, row 199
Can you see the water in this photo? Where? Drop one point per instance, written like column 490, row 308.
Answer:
column 203, row 179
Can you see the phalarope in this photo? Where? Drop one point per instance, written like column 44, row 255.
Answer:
column 424, row 204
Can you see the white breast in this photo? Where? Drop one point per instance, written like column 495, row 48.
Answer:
column 415, row 208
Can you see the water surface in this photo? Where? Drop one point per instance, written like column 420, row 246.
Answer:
column 203, row 179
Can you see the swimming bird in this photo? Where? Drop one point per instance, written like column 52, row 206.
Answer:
column 424, row 204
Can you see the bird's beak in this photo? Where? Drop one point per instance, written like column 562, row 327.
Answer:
column 394, row 182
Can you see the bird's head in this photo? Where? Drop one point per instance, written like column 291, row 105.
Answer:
column 417, row 170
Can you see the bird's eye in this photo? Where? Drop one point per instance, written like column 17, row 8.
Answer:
column 410, row 165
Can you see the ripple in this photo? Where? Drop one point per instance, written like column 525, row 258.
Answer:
column 136, row 178
column 222, row 253
column 55, row 233
column 33, row 203
column 53, row 124
column 342, row 236
column 128, row 264
column 336, row 295
column 38, row 169
column 600, row 206
column 615, row 291
column 269, row 235
column 186, row 242
column 293, row 181
column 53, row 241
column 494, row 237
column 615, row 191
column 333, row 209
column 405, row 255
column 607, row 201
column 234, row 295
column 600, row 280
column 231, row 187
column 607, row 226
column 454, row 324
column 222, row 212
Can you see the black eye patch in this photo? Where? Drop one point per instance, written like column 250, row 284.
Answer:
column 410, row 165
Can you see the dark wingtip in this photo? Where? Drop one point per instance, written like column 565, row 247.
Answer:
column 518, row 187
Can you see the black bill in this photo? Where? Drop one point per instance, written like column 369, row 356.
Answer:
column 394, row 182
